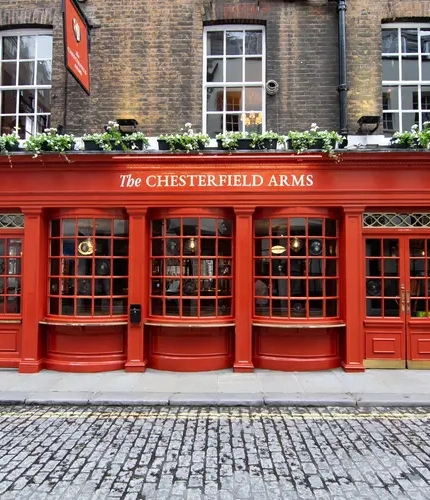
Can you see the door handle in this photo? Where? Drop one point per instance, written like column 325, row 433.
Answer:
column 402, row 298
column 408, row 301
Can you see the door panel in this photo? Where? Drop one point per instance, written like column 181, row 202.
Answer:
column 417, row 303
column 397, row 308
column 384, row 324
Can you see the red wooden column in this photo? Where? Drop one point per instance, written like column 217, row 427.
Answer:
column 33, row 285
column 244, row 289
column 353, row 285
column 137, row 288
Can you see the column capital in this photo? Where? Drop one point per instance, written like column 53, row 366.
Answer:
column 32, row 211
column 243, row 211
column 352, row 210
column 137, row 211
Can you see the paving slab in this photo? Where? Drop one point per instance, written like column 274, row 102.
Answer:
column 13, row 397
column 218, row 399
column 366, row 400
column 301, row 399
column 130, row 398
column 63, row 397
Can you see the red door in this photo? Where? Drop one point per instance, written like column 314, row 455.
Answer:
column 397, row 301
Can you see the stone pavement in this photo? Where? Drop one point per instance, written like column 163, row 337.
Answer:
column 219, row 388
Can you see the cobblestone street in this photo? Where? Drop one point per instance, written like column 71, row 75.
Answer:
column 213, row 453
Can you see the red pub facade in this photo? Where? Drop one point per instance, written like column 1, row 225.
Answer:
column 193, row 262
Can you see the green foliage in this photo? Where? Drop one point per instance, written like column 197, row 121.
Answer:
column 49, row 140
column 301, row 141
column 113, row 137
column 8, row 142
column 187, row 140
column 230, row 140
column 413, row 138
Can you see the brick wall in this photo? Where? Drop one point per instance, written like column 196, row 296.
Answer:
column 146, row 59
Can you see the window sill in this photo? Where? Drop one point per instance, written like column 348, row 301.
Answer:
column 302, row 324
column 81, row 323
column 188, row 325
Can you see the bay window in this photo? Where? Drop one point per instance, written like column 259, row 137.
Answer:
column 88, row 267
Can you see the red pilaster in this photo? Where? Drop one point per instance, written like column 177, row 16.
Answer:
column 137, row 288
column 33, row 296
column 244, row 290
column 352, row 290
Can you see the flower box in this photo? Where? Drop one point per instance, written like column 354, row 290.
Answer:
column 163, row 146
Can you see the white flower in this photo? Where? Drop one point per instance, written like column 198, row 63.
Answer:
column 188, row 125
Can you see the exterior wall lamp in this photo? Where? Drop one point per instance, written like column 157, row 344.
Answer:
column 127, row 125
column 368, row 120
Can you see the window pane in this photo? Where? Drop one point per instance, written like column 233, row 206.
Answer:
column 253, row 99
column 233, row 70
column 390, row 69
column 234, row 42
column 26, row 101
column 44, row 47
column 214, row 71
column 253, row 42
column 26, row 73
column 27, row 47
column 214, row 125
column 44, row 73
column 215, row 43
column 8, row 74
column 253, row 69
column 390, row 40
column 410, row 68
column 8, row 101
column 234, row 99
column 409, row 41
column 425, row 67
column 10, row 47
column 390, row 97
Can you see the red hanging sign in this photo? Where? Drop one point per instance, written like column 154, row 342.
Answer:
column 76, row 43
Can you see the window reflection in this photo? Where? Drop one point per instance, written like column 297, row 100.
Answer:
column 10, row 275
column 88, row 267
column 293, row 256
column 191, row 267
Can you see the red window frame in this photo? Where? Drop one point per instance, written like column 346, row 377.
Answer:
column 296, row 266
column 191, row 283
column 88, row 273
column 10, row 273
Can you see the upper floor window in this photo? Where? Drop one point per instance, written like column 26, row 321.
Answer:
column 25, row 81
column 405, row 75
column 234, row 75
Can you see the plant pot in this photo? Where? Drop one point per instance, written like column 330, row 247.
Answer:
column 11, row 147
column 47, row 147
column 320, row 143
column 396, row 145
column 163, row 146
column 90, row 145
column 138, row 145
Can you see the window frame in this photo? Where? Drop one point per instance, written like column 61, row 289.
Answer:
column 24, row 134
column 268, row 296
column 224, row 84
column 6, row 234
column 162, row 274
column 98, row 276
column 388, row 114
